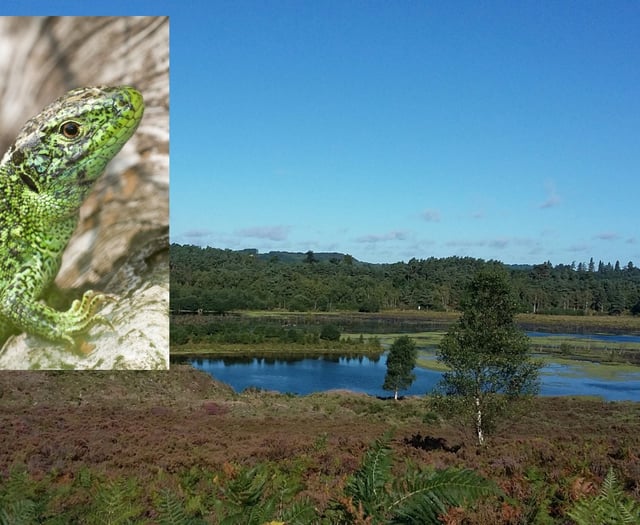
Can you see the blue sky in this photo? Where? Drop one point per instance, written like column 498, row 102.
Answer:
column 392, row 130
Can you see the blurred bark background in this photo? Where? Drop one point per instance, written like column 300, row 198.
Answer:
column 121, row 244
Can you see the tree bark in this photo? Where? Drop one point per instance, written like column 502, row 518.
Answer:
column 479, row 430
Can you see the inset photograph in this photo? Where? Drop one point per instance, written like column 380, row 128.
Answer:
column 84, row 193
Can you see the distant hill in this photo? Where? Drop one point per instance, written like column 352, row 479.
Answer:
column 301, row 257
column 296, row 257
column 218, row 280
column 523, row 267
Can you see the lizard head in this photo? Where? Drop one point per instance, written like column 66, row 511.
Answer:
column 61, row 152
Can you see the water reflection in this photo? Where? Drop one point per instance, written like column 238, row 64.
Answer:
column 201, row 361
column 307, row 374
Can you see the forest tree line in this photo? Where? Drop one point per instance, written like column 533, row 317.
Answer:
column 218, row 281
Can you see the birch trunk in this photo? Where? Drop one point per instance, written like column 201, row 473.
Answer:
column 479, row 431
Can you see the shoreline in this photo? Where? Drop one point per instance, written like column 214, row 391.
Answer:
column 554, row 348
column 560, row 323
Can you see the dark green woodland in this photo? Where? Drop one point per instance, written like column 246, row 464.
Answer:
column 217, row 281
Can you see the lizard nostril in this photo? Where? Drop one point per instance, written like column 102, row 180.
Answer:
column 29, row 182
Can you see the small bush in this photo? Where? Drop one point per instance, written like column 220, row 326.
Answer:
column 330, row 332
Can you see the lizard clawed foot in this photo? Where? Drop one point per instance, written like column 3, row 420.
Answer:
column 81, row 316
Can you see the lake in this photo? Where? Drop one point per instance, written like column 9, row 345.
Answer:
column 362, row 374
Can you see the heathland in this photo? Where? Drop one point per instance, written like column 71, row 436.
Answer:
column 179, row 447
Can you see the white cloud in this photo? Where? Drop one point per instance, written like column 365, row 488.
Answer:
column 553, row 199
column 579, row 248
column 465, row 244
column 607, row 236
column 389, row 236
column 431, row 215
column 272, row 233
column 499, row 243
column 197, row 234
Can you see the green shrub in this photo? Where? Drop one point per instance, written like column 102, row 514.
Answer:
column 330, row 332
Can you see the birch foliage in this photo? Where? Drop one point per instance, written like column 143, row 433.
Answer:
column 487, row 355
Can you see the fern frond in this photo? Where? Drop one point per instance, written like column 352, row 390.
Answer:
column 610, row 507
column 17, row 486
column 20, row 512
column 368, row 485
column 18, row 497
column 84, row 477
column 428, row 494
column 419, row 497
column 299, row 513
column 610, row 484
column 254, row 515
column 115, row 503
column 246, row 500
column 171, row 510
column 247, row 489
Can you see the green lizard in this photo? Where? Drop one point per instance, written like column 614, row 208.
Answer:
column 44, row 178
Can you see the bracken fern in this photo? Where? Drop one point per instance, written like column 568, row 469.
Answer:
column 367, row 487
column 20, row 512
column 18, row 498
column 260, row 495
column 115, row 503
column 171, row 510
column 421, row 496
column 610, row 507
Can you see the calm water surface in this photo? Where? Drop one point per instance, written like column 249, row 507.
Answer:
column 361, row 374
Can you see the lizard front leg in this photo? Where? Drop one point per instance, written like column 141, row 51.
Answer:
column 27, row 314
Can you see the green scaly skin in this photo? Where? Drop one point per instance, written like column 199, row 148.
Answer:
column 45, row 176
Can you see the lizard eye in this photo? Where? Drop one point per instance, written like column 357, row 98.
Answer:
column 70, row 129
